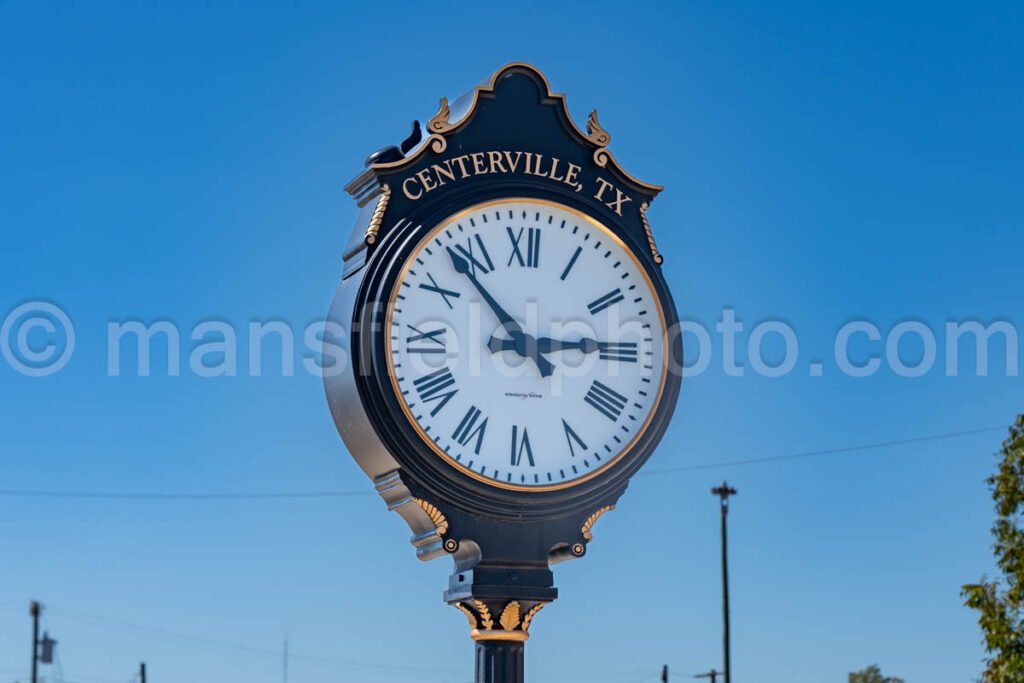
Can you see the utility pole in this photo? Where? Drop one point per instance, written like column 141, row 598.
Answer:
column 284, row 665
column 723, row 492
column 142, row 672
column 34, row 609
column 711, row 674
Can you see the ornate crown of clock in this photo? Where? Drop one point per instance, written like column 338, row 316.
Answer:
column 509, row 344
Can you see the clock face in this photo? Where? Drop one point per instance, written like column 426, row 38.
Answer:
column 527, row 344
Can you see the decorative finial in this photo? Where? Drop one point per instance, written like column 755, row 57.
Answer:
column 595, row 133
column 439, row 122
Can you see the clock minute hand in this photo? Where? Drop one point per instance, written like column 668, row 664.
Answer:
column 507, row 321
column 523, row 344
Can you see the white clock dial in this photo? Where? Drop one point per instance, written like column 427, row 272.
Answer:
column 526, row 345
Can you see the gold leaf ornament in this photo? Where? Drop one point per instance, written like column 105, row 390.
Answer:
column 510, row 616
column 485, row 615
column 531, row 614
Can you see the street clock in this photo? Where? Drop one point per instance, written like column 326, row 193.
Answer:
column 513, row 352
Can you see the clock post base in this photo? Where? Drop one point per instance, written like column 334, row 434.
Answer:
column 499, row 661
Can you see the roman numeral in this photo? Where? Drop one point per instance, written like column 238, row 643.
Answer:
column 469, row 428
column 572, row 262
column 624, row 352
column 435, row 337
column 445, row 293
column 571, row 436
column 432, row 388
column 520, row 446
column 532, row 247
column 609, row 299
column 476, row 264
column 608, row 402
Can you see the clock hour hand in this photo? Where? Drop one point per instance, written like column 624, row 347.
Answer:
column 547, row 345
column 526, row 346
column 522, row 343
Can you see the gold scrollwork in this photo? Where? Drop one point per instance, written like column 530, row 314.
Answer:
column 655, row 254
column 595, row 133
column 439, row 122
column 591, row 520
column 436, row 516
column 438, row 143
column 468, row 612
column 378, row 215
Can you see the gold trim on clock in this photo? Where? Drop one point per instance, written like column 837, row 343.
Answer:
column 436, row 516
column 587, row 528
column 655, row 254
column 378, row 215
column 440, row 125
column 454, row 218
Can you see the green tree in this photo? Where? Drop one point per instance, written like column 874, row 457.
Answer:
column 872, row 674
column 1000, row 602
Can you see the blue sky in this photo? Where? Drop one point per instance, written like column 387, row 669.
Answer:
column 822, row 163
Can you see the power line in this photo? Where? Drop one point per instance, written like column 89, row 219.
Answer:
column 329, row 662
column 76, row 678
column 110, row 495
column 305, row 495
column 196, row 641
column 823, row 452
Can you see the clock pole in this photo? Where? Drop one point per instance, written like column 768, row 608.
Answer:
column 499, row 661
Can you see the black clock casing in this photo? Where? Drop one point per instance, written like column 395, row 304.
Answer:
column 503, row 541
